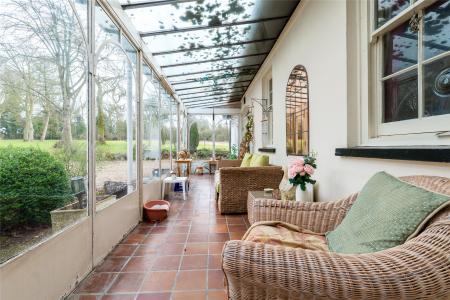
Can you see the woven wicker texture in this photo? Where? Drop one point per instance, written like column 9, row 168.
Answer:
column 235, row 183
column 418, row 269
column 227, row 163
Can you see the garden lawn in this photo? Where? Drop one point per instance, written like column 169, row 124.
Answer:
column 109, row 146
column 48, row 145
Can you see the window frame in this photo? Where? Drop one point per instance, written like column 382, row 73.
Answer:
column 406, row 128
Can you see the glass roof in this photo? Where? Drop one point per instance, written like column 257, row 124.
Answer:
column 209, row 50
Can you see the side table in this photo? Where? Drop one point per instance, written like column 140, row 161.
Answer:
column 181, row 180
column 252, row 195
column 186, row 162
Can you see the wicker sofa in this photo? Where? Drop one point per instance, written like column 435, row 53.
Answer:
column 418, row 269
column 233, row 183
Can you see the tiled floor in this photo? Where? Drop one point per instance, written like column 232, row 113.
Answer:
column 179, row 258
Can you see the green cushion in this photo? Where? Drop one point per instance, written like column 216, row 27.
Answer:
column 246, row 160
column 259, row 160
column 386, row 213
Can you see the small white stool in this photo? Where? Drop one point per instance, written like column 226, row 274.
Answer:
column 169, row 179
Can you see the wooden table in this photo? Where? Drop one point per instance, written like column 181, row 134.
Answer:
column 180, row 162
column 211, row 163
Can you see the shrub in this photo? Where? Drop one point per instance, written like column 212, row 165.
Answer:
column 32, row 183
column 207, row 154
column 194, row 139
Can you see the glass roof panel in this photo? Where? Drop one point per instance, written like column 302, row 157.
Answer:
column 214, row 36
column 195, row 67
column 205, row 45
column 206, row 54
column 209, row 91
column 210, row 81
column 205, row 12
column 217, row 94
column 212, row 87
column 223, row 82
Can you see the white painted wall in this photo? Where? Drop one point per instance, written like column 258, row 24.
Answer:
column 316, row 37
column 113, row 223
column 151, row 190
column 51, row 269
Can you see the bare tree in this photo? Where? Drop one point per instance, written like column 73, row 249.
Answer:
column 53, row 27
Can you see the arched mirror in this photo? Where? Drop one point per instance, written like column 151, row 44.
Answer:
column 297, row 112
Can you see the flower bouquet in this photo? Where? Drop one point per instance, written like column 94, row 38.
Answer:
column 300, row 172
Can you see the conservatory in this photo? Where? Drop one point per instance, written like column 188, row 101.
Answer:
column 106, row 105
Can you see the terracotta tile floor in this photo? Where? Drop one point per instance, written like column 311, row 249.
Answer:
column 179, row 258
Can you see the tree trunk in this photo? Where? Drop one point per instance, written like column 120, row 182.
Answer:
column 67, row 129
column 28, row 131
column 66, row 138
column 44, row 130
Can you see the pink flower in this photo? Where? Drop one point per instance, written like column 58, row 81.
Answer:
column 291, row 173
column 299, row 162
column 298, row 168
column 309, row 169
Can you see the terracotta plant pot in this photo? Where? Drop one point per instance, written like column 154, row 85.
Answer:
column 153, row 214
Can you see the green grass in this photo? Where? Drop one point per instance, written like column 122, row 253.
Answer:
column 207, row 145
column 109, row 146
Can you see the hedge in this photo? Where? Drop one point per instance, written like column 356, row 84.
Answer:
column 32, row 183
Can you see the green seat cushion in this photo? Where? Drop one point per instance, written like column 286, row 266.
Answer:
column 246, row 160
column 386, row 213
column 259, row 161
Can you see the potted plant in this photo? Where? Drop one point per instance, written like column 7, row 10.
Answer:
column 300, row 172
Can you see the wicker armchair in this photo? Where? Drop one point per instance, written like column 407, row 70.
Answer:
column 418, row 269
column 235, row 183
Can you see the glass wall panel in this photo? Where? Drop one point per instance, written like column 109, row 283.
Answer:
column 43, row 121
column 151, row 133
column 200, row 136
column 222, row 134
column 174, row 128
column 164, row 121
column 115, row 113
column 183, row 131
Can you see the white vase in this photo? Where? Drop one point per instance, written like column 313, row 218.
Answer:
column 304, row 195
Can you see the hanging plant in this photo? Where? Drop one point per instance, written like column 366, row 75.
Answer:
column 247, row 138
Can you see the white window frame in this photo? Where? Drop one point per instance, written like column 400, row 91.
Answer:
column 422, row 130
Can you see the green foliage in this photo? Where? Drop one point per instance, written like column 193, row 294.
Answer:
column 233, row 152
column 222, row 132
column 32, row 183
column 194, row 139
column 165, row 134
column 74, row 159
column 10, row 126
column 207, row 153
